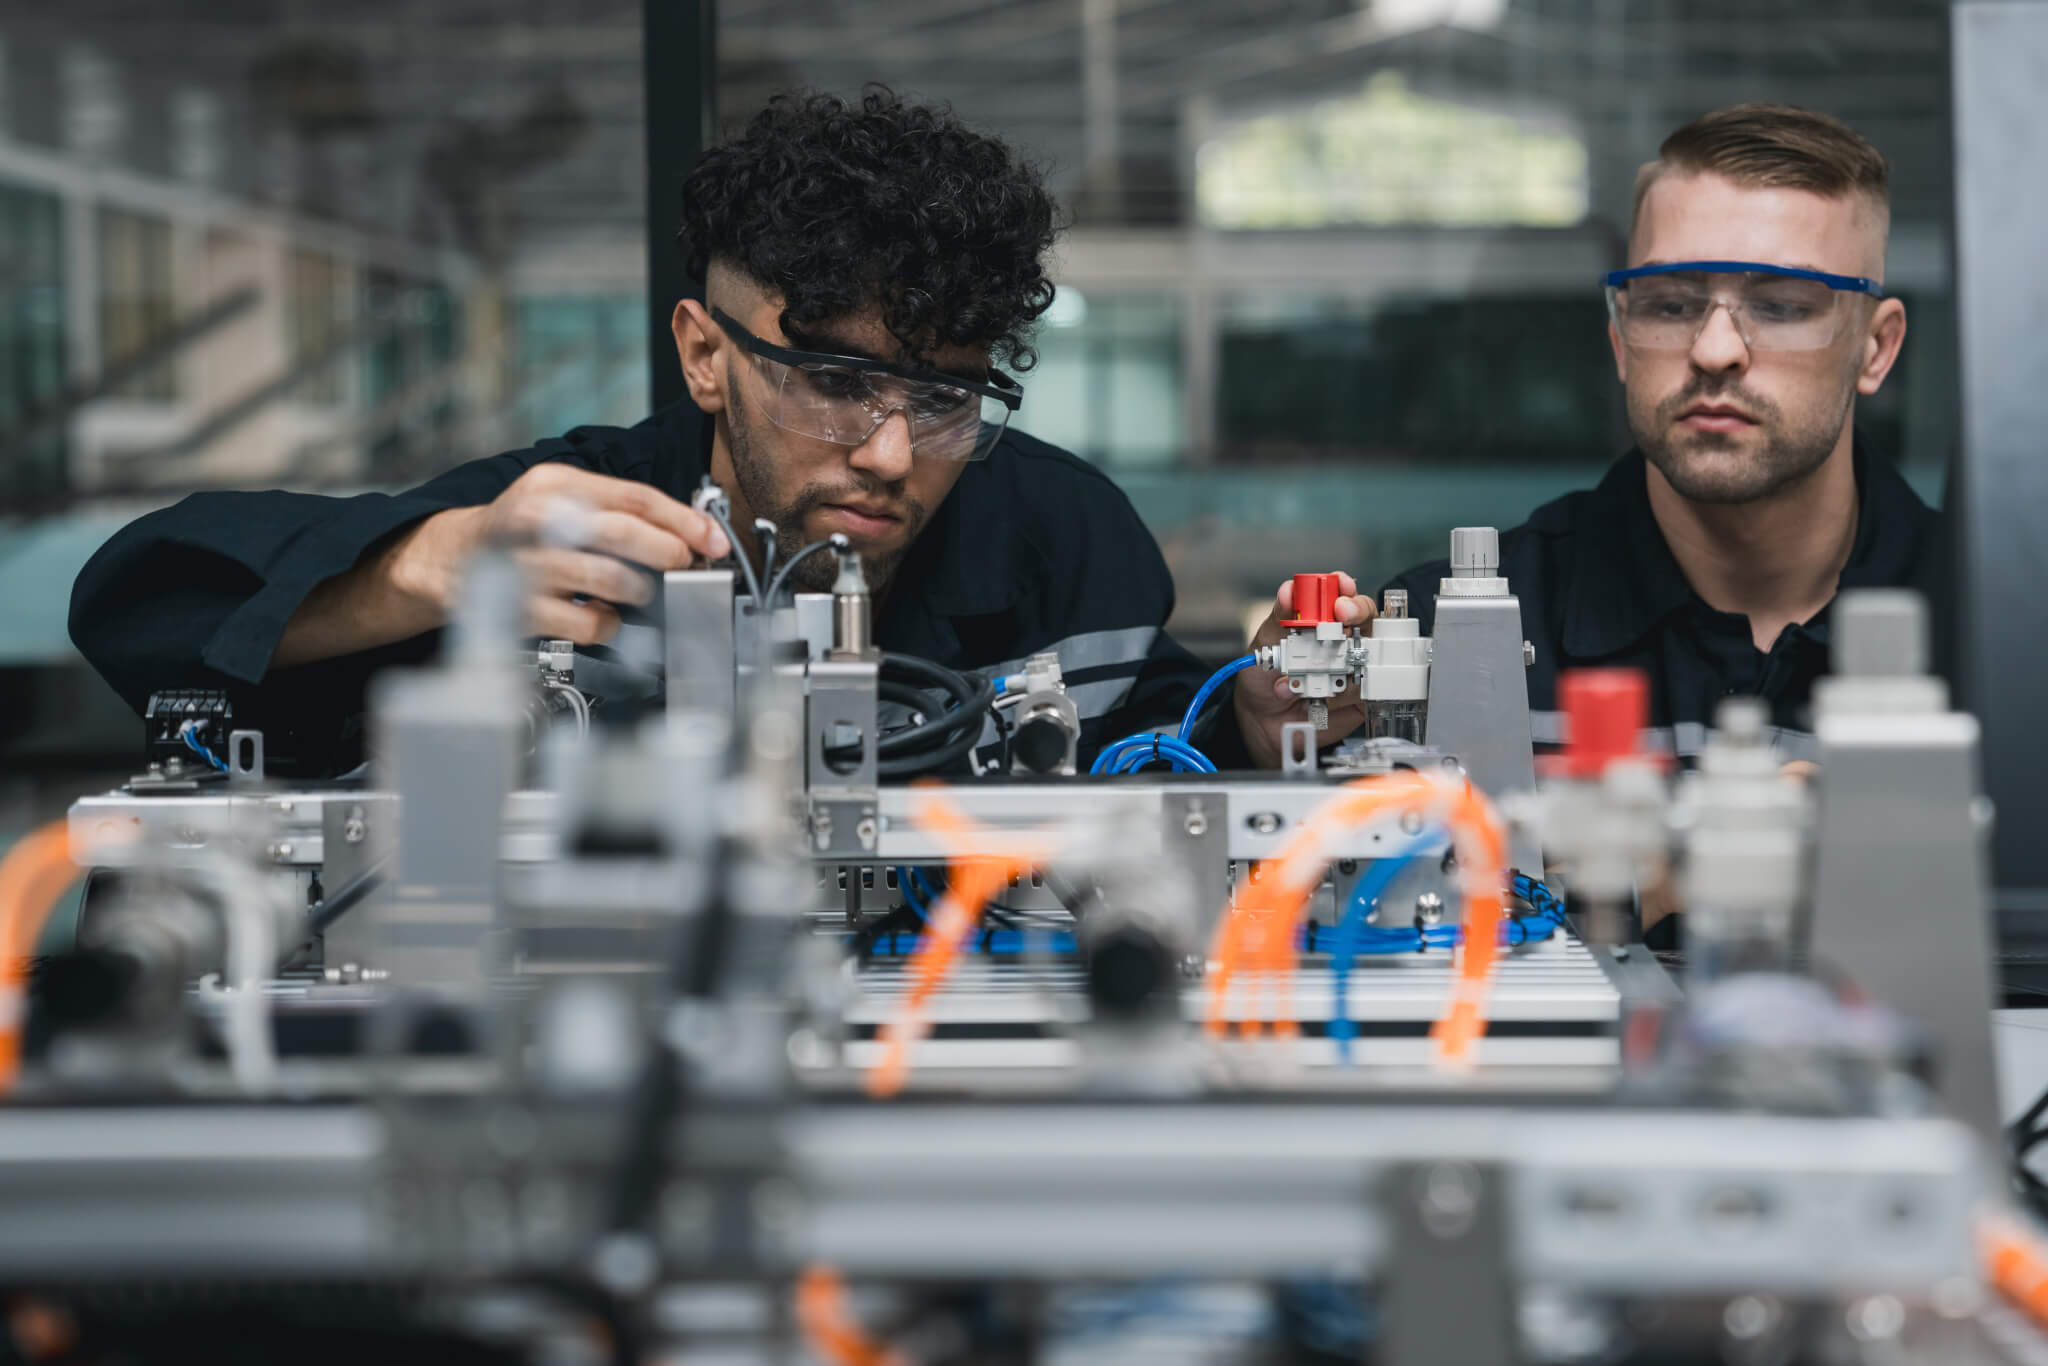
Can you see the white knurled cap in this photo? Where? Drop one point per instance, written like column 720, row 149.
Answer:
column 1475, row 552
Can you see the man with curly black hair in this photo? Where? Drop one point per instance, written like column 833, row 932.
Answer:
column 870, row 268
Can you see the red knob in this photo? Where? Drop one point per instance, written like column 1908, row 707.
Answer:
column 1605, row 711
column 1315, row 598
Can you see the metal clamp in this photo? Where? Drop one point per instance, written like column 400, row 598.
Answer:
column 1298, row 749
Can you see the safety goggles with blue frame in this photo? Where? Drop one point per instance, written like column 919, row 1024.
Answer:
column 1775, row 308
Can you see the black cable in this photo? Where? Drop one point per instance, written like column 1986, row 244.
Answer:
column 331, row 908
column 917, row 700
column 946, row 737
column 896, row 920
column 739, row 551
column 782, row 574
column 917, row 764
column 338, row 902
column 770, row 542
column 1003, row 732
column 971, row 697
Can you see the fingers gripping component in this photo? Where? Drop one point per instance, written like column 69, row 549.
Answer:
column 1317, row 655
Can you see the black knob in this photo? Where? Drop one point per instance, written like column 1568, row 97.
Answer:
column 1040, row 744
column 1130, row 973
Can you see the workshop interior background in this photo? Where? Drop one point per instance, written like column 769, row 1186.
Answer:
column 1331, row 285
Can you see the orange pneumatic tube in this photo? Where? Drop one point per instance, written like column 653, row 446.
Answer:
column 1258, row 934
column 33, row 877
column 974, row 882
column 828, row 1325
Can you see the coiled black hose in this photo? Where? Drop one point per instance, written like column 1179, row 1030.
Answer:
column 951, row 729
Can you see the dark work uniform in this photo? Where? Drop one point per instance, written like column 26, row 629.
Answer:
column 1033, row 550
column 1599, row 588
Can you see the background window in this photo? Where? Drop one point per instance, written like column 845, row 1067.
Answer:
column 32, row 341
column 136, row 307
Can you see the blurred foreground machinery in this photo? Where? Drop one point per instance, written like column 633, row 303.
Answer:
column 577, row 1034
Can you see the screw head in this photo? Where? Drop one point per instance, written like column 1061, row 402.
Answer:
column 1429, row 909
column 1197, row 823
column 1450, row 1199
column 867, row 832
column 1749, row 1317
column 1528, row 654
column 1263, row 822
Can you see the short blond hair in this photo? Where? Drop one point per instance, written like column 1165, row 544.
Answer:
column 1777, row 146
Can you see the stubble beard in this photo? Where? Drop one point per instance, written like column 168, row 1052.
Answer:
column 753, row 471
column 1725, row 467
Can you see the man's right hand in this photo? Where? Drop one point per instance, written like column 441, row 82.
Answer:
column 575, row 593
column 411, row 585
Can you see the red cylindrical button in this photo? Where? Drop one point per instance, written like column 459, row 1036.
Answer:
column 1605, row 711
column 1315, row 598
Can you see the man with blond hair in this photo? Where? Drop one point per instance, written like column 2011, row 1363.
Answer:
column 1749, row 320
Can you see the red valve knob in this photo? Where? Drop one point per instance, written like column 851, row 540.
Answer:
column 1605, row 711
column 1315, row 599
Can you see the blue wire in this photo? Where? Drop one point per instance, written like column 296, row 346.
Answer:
column 904, row 874
column 1353, row 936
column 1184, row 757
column 1133, row 752
column 192, row 743
column 990, row 941
column 1207, row 690
column 1346, row 940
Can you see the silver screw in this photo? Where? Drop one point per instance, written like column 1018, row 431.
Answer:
column 1429, row 909
column 1749, row 1317
column 281, row 852
column 1528, row 654
column 1197, row 823
column 1263, row 822
column 1450, row 1199
column 355, row 828
column 867, row 831
column 1877, row 1318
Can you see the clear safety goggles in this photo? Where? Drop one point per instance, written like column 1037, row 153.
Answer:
column 844, row 399
column 1774, row 308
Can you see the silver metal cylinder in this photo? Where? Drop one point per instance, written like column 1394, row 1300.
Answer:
column 852, row 633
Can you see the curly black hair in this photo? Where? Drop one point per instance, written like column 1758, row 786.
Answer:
column 841, row 207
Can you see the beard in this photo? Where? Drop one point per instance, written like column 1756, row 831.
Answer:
column 1730, row 467
column 753, row 469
